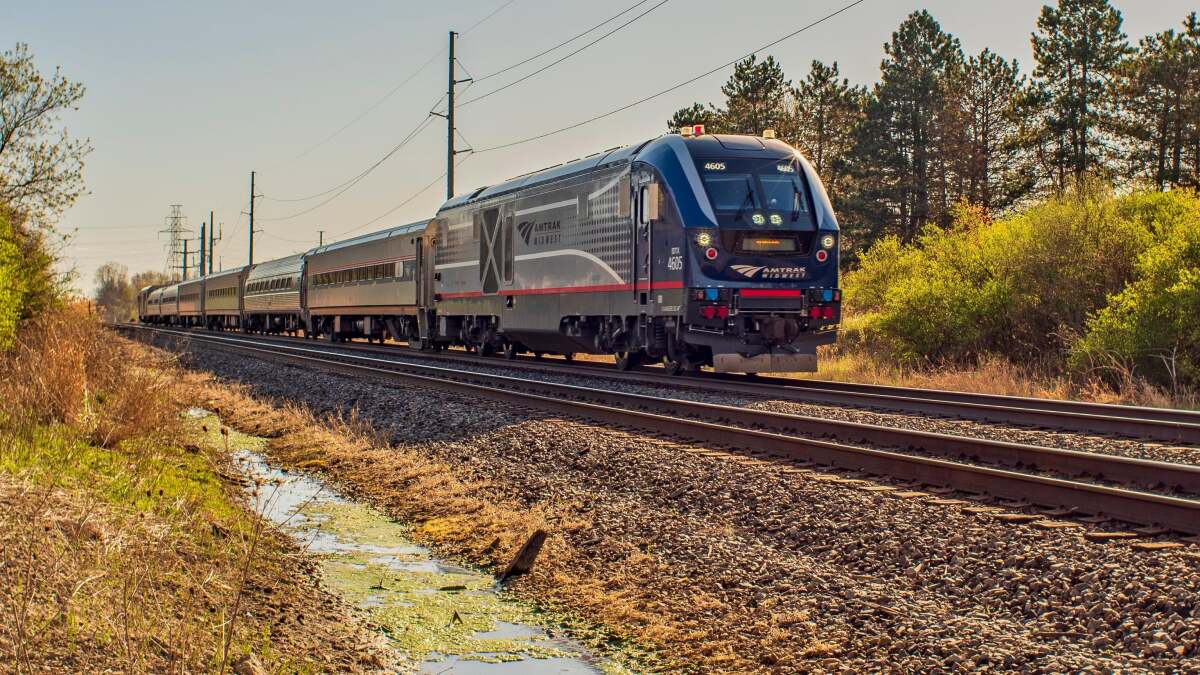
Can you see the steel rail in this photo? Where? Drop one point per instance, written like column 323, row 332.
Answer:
column 1159, row 424
column 1176, row 513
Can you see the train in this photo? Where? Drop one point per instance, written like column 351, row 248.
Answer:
column 693, row 250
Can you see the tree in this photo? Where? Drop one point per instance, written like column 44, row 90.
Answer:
column 41, row 166
column 825, row 112
column 983, row 128
column 115, row 296
column 150, row 278
column 900, row 162
column 28, row 283
column 756, row 94
column 1078, row 47
column 1159, row 90
column 710, row 116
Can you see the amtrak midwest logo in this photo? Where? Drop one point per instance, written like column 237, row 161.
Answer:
column 763, row 272
column 538, row 234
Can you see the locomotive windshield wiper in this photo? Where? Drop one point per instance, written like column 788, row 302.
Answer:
column 748, row 198
column 796, row 197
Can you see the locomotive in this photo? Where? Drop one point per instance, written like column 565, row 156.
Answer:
column 690, row 249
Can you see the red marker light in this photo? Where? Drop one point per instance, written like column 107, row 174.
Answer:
column 827, row 313
column 814, row 312
column 822, row 256
column 698, row 130
column 723, row 312
column 708, row 311
column 710, row 253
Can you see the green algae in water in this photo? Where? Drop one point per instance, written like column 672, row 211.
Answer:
column 370, row 569
column 432, row 612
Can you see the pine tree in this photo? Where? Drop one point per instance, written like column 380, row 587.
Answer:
column 1078, row 47
column 900, row 158
column 710, row 116
column 1159, row 90
column 756, row 96
column 983, row 130
column 825, row 111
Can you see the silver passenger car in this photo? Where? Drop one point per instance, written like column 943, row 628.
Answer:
column 364, row 287
column 223, row 299
column 273, row 292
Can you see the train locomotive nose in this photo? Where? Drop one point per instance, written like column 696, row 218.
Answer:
column 780, row 330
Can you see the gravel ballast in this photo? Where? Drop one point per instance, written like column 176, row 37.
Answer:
column 809, row 573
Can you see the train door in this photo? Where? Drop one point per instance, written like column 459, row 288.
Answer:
column 425, row 252
column 645, row 212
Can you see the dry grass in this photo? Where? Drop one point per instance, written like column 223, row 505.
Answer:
column 996, row 375
column 122, row 547
column 462, row 518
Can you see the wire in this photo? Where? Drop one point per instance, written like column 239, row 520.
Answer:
column 335, row 187
column 354, row 181
column 563, row 43
column 672, row 88
column 279, row 238
column 397, row 207
column 561, row 59
column 494, row 13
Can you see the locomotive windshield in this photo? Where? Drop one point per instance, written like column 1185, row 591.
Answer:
column 758, row 194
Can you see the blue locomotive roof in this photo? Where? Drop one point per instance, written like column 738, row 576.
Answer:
column 370, row 236
column 709, row 144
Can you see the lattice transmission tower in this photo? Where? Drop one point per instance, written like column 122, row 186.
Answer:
column 176, row 229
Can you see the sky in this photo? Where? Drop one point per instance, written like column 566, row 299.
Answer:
column 185, row 99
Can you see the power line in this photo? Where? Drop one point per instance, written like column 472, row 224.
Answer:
column 672, row 88
column 339, row 185
column 489, row 16
column 563, row 43
column 354, row 181
column 404, row 203
column 391, row 92
column 550, row 65
column 366, row 112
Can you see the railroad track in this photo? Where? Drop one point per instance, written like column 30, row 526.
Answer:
column 999, row 469
column 1158, row 424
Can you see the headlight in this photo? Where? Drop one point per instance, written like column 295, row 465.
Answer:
column 704, row 239
column 828, row 241
column 758, row 219
column 776, row 219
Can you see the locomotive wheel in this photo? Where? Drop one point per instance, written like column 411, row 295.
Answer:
column 673, row 367
column 568, row 356
column 538, row 355
column 628, row 360
column 486, row 349
column 510, row 351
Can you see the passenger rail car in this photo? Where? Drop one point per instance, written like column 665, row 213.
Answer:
column 711, row 250
column 364, row 287
column 168, row 306
column 272, row 296
column 190, row 311
column 145, row 303
column 223, row 299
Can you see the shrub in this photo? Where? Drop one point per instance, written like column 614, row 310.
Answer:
column 28, row 283
column 1023, row 286
column 1153, row 325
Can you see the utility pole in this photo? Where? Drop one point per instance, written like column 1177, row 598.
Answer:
column 450, row 123
column 251, row 260
column 212, row 241
column 320, row 237
column 203, row 250
column 184, row 266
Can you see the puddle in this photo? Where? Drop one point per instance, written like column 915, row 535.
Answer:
column 445, row 618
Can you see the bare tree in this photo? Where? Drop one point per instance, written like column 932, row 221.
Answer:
column 41, row 166
column 114, row 294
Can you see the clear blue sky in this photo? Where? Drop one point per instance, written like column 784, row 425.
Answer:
column 185, row 99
